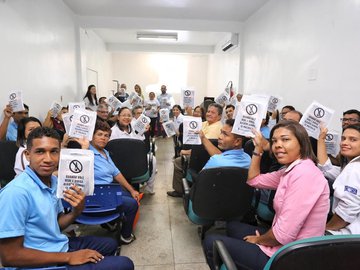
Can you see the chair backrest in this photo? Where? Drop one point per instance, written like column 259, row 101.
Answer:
column 199, row 156
column 8, row 150
column 320, row 253
column 129, row 156
column 221, row 193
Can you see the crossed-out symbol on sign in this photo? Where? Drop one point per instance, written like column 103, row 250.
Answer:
column 75, row 166
column 76, row 107
column 111, row 99
column 275, row 100
column 187, row 93
column 144, row 120
column 12, row 96
column 329, row 137
column 84, row 119
column 251, row 109
column 193, row 125
column 319, row 113
column 71, row 117
column 224, row 98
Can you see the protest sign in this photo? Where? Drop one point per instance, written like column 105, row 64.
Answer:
column 192, row 126
column 16, row 102
column 332, row 142
column 316, row 115
column 76, row 105
column 55, row 109
column 113, row 102
column 223, row 98
column 141, row 124
column 134, row 99
column 164, row 102
column 250, row 113
column 67, row 118
column 169, row 128
column 164, row 115
column 188, row 98
column 83, row 124
column 76, row 167
column 274, row 103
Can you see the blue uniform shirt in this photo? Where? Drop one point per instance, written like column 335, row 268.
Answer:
column 11, row 134
column 104, row 168
column 230, row 158
column 30, row 209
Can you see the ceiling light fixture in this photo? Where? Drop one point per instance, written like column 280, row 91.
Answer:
column 157, row 36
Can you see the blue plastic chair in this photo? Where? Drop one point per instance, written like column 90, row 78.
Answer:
column 46, row 268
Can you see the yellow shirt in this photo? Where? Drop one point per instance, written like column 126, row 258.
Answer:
column 211, row 131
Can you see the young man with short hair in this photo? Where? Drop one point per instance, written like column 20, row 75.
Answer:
column 32, row 217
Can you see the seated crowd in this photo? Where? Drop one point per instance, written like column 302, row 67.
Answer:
column 305, row 180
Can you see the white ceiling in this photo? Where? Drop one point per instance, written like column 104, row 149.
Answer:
column 200, row 24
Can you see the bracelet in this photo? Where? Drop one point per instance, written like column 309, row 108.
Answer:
column 258, row 154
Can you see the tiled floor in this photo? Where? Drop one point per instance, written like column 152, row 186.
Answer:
column 166, row 239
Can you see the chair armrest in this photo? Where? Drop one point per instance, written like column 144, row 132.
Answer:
column 222, row 256
column 186, row 197
column 152, row 145
column 150, row 163
column 184, row 164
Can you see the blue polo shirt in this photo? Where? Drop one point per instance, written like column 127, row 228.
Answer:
column 11, row 134
column 30, row 209
column 229, row 158
column 104, row 168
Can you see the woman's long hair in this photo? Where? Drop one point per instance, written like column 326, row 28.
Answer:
column 21, row 140
column 88, row 95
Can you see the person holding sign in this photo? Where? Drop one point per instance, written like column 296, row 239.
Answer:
column 152, row 107
column 26, row 125
column 57, row 122
column 346, row 203
column 90, row 98
column 301, row 201
column 11, row 129
column 33, row 217
column 105, row 172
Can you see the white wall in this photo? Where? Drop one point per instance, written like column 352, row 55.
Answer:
column 151, row 70
column 305, row 50
column 38, row 53
column 95, row 60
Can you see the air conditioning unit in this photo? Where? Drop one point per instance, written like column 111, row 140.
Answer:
column 231, row 43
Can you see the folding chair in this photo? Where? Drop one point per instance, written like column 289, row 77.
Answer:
column 131, row 158
column 8, row 150
column 103, row 207
column 218, row 194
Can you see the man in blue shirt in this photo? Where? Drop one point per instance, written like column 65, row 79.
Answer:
column 10, row 130
column 229, row 151
column 32, row 217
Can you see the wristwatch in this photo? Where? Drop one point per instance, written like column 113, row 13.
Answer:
column 258, row 154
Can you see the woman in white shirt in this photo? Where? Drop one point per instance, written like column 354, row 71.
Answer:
column 346, row 202
column 90, row 98
column 123, row 129
column 26, row 125
column 152, row 107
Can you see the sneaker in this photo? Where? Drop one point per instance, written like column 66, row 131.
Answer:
column 148, row 191
column 174, row 194
column 127, row 241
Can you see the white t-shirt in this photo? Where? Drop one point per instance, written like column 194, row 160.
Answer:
column 153, row 110
column 20, row 161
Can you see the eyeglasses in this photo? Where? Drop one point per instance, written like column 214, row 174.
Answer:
column 350, row 120
column 103, row 111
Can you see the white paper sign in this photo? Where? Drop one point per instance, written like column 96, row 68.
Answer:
column 16, row 102
column 67, row 118
column 223, row 98
column 316, row 115
column 164, row 101
column 192, row 126
column 83, row 124
column 134, row 99
column 332, row 142
column 55, row 109
column 127, row 104
column 113, row 102
column 76, row 167
column 274, row 103
column 169, row 128
column 249, row 116
column 188, row 98
column 164, row 115
column 76, row 105
column 140, row 125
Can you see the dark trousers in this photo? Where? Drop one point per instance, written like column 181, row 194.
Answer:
column 152, row 126
column 244, row 254
column 105, row 246
column 130, row 207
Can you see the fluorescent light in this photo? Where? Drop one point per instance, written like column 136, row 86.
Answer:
column 157, row 36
